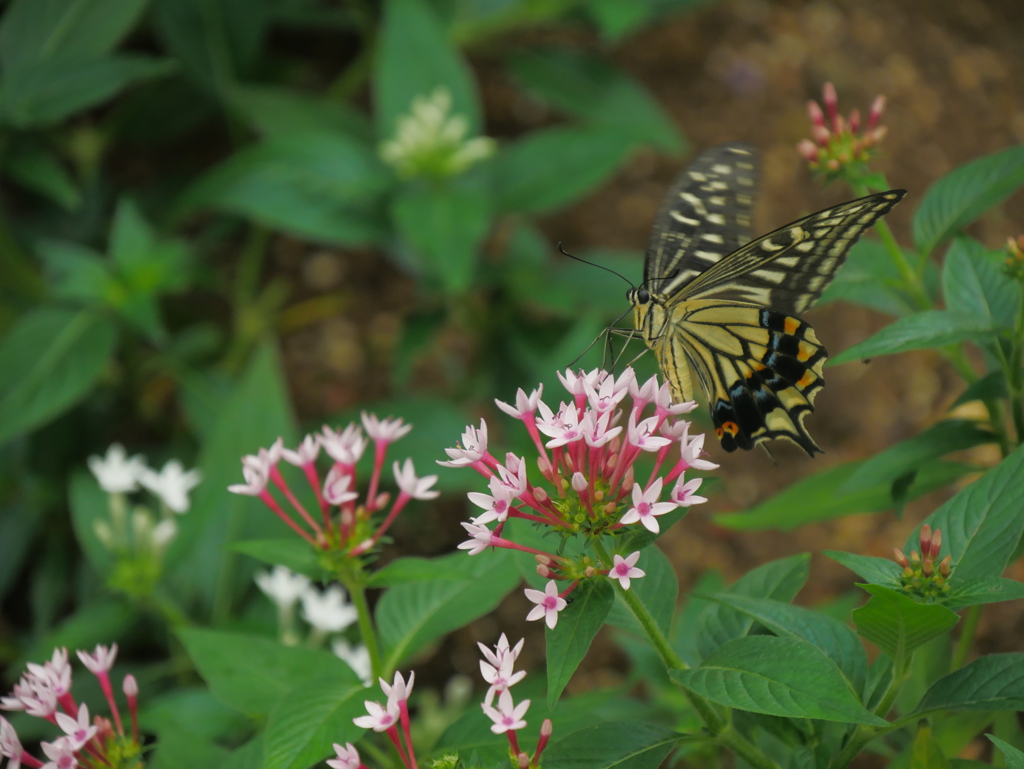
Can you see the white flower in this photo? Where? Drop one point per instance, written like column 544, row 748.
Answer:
column 472, row 449
column 563, row 427
column 336, row 491
column 305, row 453
column 357, row 658
column 256, row 476
column 398, row 691
column 502, row 654
column 55, row 674
column 664, row 402
column 607, row 395
column 378, row 718
column 101, row 660
column 549, row 603
column 347, row 757
column 684, row 492
column 525, row 404
column 480, row 538
column 163, row 533
column 61, row 754
column 345, row 447
column 645, row 393
column 495, row 506
column 642, row 435
column 78, row 730
column 624, row 569
column 10, row 745
column 282, row 586
column 497, row 671
column 514, row 481
column 690, row 453
column 116, row 472
column 646, row 506
column 576, row 383
column 384, row 430
column 596, row 429
column 417, row 488
column 507, row 716
column 172, row 484
column 327, row 611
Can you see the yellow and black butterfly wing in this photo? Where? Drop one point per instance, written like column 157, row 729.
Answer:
column 788, row 269
column 760, row 369
column 704, row 217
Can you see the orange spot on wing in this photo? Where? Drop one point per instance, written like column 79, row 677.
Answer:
column 730, row 427
column 807, row 379
column 805, row 351
column 757, row 365
column 791, row 325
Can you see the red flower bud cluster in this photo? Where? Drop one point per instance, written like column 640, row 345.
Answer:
column 839, row 143
column 922, row 576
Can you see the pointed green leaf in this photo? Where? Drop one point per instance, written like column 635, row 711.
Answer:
column 570, row 639
column 990, row 387
column 51, row 359
column 78, row 273
column 1014, row 758
column 923, row 330
column 830, row 635
column 292, row 552
column 992, row 682
column 614, row 745
column 37, row 168
column 278, row 111
column 974, row 282
column 877, row 571
column 938, row 440
column 982, row 590
column 896, row 623
column 927, row 752
column 962, row 195
column 411, row 569
column 779, row 580
column 776, row 676
column 982, row 524
column 658, row 590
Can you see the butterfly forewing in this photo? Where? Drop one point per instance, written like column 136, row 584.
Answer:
column 723, row 310
column 705, row 216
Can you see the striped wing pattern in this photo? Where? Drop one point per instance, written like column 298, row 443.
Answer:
column 705, row 216
column 724, row 310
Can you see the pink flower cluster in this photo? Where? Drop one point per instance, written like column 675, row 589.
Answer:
column 587, row 458
column 838, row 142
column 387, row 718
column 44, row 691
column 497, row 670
column 350, row 529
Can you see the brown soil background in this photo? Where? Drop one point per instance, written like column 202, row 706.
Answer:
column 744, row 70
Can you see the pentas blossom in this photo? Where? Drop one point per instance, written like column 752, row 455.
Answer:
column 624, row 569
column 586, row 451
column 172, row 484
column 389, row 717
column 346, row 522
column 356, row 657
column 345, row 757
column 508, row 717
column 44, row 691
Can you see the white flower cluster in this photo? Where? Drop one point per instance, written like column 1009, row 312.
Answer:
column 119, row 475
column 429, row 142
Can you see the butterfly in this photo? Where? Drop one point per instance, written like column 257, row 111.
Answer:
column 720, row 307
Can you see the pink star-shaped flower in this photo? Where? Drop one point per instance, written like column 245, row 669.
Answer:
column 377, row 717
column 508, row 716
column 346, row 757
column 305, row 452
column 525, row 404
column 646, row 506
column 78, row 730
column 684, row 492
column 495, row 506
column 480, row 538
column 624, row 569
column 549, row 603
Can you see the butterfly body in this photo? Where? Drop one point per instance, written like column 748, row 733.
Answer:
column 719, row 308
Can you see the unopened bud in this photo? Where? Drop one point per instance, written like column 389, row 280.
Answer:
column 546, row 728
column 878, row 134
column 524, row 761
column 579, row 482
column 382, row 500
column 877, row 107
column 854, row 121
column 540, row 495
column 834, row 165
column 544, row 571
column 900, row 558
column 347, row 517
column 944, row 565
column 610, row 508
column 599, row 496
column 569, row 463
column 831, row 100
column 613, row 459
column 590, row 571
column 926, row 539
column 839, row 124
column 130, row 687
column 628, row 478
column 908, row 572
column 928, row 567
column 821, row 135
column 543, row 558
column 936, row 543
column 808, row 150
column 544, row 465
column 816, row 115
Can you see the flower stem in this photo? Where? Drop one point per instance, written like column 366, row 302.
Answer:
column 966, row 640
column 358, row 592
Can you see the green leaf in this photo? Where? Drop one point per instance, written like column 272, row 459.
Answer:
column 32, row 31
column 1014, row 758
column 35, row 167
column 877, row 571
column 89, row 504
column 252, row 674
column 309, row 718
column 179, row 749
column 974, row 283
column 992, row 386
column 293, row 553
column 869, row 277
column 817, row 497
column 446, row 226
column 553, row 167
column 570, row 639
column 51, row 358
column 411, row 615
column 414, row 57
column 992, row 682
column 54, row 89
column 203, row 568
column 401, row 571
column 591, row 88
column 246, row 757
column 322, row 186
column 657, row 590
column 927, row 752
column 614, row 745
column 982, row 524
column 192, row 709
column 982, row 590
column 779, row 580
column 924, row 330
column 962, row 195
column 776, row 676
column 896, row 623
column 909, row 455
column 830, row 635
column 78, row 273
column 272, row 111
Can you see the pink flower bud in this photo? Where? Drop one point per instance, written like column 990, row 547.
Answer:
column 544, row 571
column 900, row 558
column 936, row 543
column 524, row 761
column 130, row 687
column 944, row 565
column 544, row 465
column 928, row 568
column 926, row 539
column 540, row 495
column 831, row 101
column 808, row 150
column 839, row 125
column 834, row 165
column 855, row 121
column 878, row 134
column 589, row 572
column 821, row 135
column 877, row 107
column 815, row 113
column 543, row 558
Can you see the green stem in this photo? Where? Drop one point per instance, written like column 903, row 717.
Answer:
column 863, row 733
column 358, row 592
column 1014, row 372
column 723, row 732
column 966, row 640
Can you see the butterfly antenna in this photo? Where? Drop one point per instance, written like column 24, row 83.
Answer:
column 563, row 252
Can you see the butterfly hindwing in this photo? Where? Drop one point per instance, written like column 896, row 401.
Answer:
column 705, row 216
